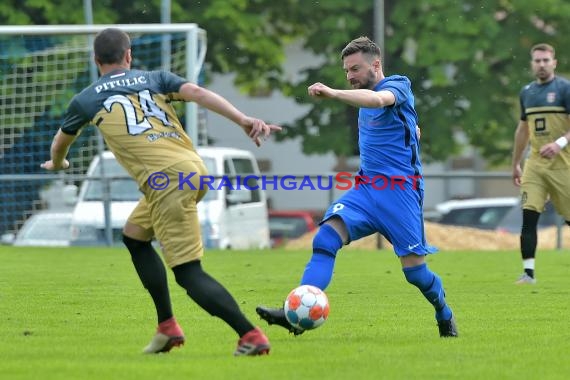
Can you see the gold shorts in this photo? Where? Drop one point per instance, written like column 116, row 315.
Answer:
column 173, row 215
column 540, row 184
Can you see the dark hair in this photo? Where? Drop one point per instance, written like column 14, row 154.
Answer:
column 361, row 44
column 110, row 45
column 543, row 47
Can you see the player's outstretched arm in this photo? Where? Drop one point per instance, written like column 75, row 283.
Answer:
column 357, row 97
column 255, row 128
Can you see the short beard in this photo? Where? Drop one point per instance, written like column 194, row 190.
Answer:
column 369, row 84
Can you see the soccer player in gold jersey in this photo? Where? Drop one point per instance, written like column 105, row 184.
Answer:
column 133, row 111
column 544, row 123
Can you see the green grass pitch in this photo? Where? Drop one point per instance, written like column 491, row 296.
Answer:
column 81, row 313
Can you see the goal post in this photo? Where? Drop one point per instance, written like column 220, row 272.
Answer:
column 187, row 51
column 42, row 67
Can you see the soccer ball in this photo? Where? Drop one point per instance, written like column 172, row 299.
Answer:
column 306, row 307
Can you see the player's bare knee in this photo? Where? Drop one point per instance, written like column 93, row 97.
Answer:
column 339, row 226
column 137, row 232
column 327, row 240
column 412, row 260
column 135, row 245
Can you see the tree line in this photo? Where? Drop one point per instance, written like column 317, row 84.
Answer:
column 467, row 59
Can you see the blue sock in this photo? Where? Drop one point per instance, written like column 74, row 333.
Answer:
column 319, row 270
column 431, row 287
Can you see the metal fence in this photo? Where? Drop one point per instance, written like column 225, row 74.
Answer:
column 23, row 195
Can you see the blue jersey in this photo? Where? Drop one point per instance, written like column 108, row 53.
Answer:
column 389, row 150
column 387, row 136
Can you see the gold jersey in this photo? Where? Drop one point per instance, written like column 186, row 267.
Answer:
column 545, row 107
column 133, row 110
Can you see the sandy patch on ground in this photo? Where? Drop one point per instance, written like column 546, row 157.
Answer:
column 454, row 238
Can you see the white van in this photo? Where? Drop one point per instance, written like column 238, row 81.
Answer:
column 230, row 219
column 233, row 218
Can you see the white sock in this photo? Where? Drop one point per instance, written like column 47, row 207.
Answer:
column 528, row 263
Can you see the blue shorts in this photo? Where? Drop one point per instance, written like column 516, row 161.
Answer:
column 395, row 213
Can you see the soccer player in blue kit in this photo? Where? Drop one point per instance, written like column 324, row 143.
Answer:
column 390, row 196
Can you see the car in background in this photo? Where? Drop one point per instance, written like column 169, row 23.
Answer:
column 285, row 225
column 482, row 213
column 44, row 229
column 512, row 221
column 233, row 216
column 503, row 214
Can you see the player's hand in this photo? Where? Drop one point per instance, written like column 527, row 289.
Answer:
column 517, row 175
column 319, row 90
column 418, row 132
column 550, row 150
column 257, row 129
column 49, row 165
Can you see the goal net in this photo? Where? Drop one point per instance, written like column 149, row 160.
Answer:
column 41, row 68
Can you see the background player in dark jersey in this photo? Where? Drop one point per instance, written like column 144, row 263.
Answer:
column 389, row 151
column 545, row 106
column 132, row 109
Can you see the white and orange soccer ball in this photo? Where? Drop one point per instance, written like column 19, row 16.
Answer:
column 306, row 307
